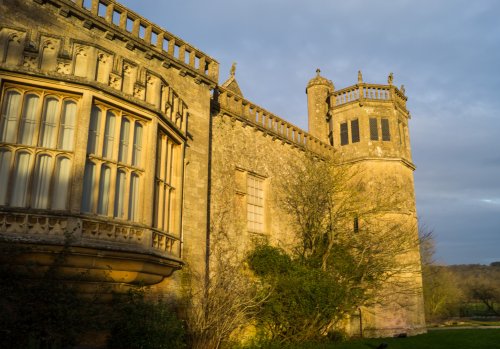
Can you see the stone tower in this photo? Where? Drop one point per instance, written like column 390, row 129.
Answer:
column 367, row 124
column 318, row 90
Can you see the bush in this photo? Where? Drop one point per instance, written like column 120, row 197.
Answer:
column 140, row 324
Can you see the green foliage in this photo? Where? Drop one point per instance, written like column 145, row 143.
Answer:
column 305, row 302
column 141, row 324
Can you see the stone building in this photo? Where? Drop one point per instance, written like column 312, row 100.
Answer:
column 113, row 132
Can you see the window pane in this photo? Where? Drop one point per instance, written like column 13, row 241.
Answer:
column 344, row 136
column 255, row 204
column 88, row 187
column 120, row 195
column 137, row 149
column 124, row 139
column 21, row 176
column 373, row 129
column 49, row 123
column 61, row 184
column 386, row 135
column 133, row 197
column 28, row 120
column 109, row 135
column 103, row 202
column 93, row 140
column 355, row 131
column 67, row 125
column 41, row 182
column 5, row 156
column 8, row 120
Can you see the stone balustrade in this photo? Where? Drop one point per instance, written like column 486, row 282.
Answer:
column 269, row 123
column 117, row 16
column 95, row 232
column 369, row 92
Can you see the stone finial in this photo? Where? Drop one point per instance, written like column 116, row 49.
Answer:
column 318, row 71
column 232, row 72
column 360, row 77
column 390, row 78
column 402, row 88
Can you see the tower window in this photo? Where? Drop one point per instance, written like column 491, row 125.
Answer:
column 355, row 131
column 344, row 134
column 373, row 129
column 386, row 134
column 355, row 224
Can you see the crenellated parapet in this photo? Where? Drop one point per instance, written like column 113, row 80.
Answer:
column 268, row 123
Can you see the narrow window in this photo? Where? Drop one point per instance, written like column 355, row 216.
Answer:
column 120, row 195
column 133, row 203
column 344, row 135
column 21, row 176
column 373, row 129
column 137, row 146
column 104, row 182
column 355, row 131
column 67, row 128
column 93, row 140
column 28, row 120
column 255, row 204
column 124, row 141
column 61, row 184
column 5, row 157
column 41, row 182
column 386, row 134
column 8, row 120
column 109, row 136
column 356, row 224
column 49, row 123
column 88, row 187
column 165, row 190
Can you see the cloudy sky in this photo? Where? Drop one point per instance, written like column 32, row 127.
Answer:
column 445, row 52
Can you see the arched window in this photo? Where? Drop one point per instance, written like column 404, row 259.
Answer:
column 93, row 140
column 21, row 175
column 104, row 187
column 49, row 123
column 137, row 146
column 109, row 135
column 88, row 187
column 5, row 157
column 61, row 184
column 9, row 117
column 124, row 141
column 41, row 182
column 67, row 128
column 28, row 119
column 120, row 194
column 133, row 199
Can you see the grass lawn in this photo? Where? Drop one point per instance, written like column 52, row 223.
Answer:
column 439, row 339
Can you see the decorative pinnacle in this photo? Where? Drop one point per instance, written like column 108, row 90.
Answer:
column 360, row 77
column 318, row 71
column 390, row 78
column 233, row 69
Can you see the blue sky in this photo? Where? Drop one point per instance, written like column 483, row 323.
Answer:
column 446, row 53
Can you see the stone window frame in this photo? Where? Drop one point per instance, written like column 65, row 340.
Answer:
column 42, row 171
column 104, row 193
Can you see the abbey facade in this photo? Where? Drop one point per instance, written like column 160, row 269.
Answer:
column 116, row 137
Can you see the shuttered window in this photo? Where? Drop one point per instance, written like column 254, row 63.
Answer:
column 344, row 135
column 355, row 131
column 373, row 129
column 386, row 134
